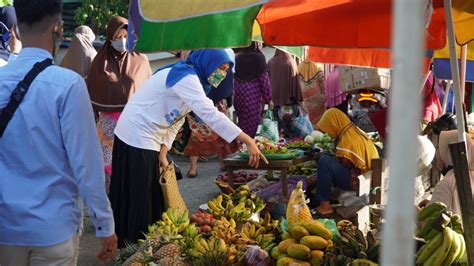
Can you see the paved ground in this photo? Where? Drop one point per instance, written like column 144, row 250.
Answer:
column 195, row 192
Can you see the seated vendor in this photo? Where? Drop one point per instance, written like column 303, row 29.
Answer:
column 354, row 154
column 446, row 191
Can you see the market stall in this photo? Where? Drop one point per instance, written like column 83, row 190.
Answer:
column 239, row 236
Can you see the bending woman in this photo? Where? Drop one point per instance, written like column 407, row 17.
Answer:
column 354, row 154
column 146, row 131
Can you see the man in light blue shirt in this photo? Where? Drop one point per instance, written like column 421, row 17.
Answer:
column 49, row 153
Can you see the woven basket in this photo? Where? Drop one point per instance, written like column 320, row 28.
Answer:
column 170, row 187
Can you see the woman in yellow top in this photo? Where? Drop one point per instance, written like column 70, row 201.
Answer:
column 354, row 153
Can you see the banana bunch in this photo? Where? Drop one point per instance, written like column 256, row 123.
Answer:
column 445, row 248
column 436, row 217
column 240, row 205
column 174, row 218
column 352, row 246
column 252, row 234
column 209, row 252
column 225, row 229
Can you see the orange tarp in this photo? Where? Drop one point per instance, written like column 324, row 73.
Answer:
column 355, row 57
column 338, row 23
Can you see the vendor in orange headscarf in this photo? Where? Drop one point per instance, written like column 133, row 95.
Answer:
column 354, row 153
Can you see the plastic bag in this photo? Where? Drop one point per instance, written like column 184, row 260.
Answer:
column 331, row 225
column 297, row 209
column 255, row 256
column 268, row 128
column 302, row 126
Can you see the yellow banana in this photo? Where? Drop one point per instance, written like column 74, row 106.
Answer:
column 462, row 248
column 252, row 231
column 222, row 247
column 453, row 251
column 239, row 208
column 194, row 253
column 204, row 244
column 232, row 223
column 219, row 202
column 443, row 250
column 199, row 247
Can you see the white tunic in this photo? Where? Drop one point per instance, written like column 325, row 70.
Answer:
column 154, row 114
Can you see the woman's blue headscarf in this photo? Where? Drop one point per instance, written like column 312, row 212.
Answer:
column 201, row 63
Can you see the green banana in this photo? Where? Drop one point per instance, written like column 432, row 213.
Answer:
column 443, row 250
column 432, row 234
column 427, row 227
column 430, row 260
column 429, row 248
column 453, row 251
column 431, row 209
column 361, row 238
column 456, row 223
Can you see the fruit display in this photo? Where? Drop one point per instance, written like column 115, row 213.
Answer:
column 304, row 244
column 239, row 177
column 352, row 247
column 267, row 146
column 303, row 169
column 297, row 209
column 442, row 230
column 323, row 141
column 240, row 205
column 299, row 144
column 203, row 220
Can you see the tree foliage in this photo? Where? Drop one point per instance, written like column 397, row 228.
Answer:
column 97, row 13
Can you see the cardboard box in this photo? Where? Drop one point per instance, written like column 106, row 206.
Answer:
column 356, row 78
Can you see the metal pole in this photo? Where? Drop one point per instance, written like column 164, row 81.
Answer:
column 446, row 96
column 463, row 70
column 454, row 69
column 408, row 37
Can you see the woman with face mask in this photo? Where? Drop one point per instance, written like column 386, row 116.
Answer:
column 146, row 131
column 114, row 77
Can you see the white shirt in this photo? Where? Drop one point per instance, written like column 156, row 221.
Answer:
column 154, row 114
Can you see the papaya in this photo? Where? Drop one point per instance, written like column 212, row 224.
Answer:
column 314, row 242
column 275, row 252
column 316, row 257
column 298, row 251
column 316, row 228
column 298, row 232
column 287, row 261
column 285, row 244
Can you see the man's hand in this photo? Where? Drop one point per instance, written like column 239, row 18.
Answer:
column 109, row 247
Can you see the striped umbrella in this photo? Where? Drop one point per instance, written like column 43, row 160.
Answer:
column 166, row 25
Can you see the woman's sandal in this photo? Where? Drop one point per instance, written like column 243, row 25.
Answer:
column 192, row 175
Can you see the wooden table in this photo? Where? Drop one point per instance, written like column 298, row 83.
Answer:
column 236, row 163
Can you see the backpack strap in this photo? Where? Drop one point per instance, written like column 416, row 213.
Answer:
column 19, row 93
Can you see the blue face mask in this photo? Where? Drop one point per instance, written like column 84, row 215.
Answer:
column 119, row 45
column 217, row 77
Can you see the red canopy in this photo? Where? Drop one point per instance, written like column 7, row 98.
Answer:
column 338, row 23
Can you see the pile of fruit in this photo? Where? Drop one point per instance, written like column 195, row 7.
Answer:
column 321, row 140
column 267, row 146
column 352, row 247
column 240, row 205
column 303, row 169
column 443, row 231
column 303, row 242
column 203, row 220
column 239, row 177
column 299, row 144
